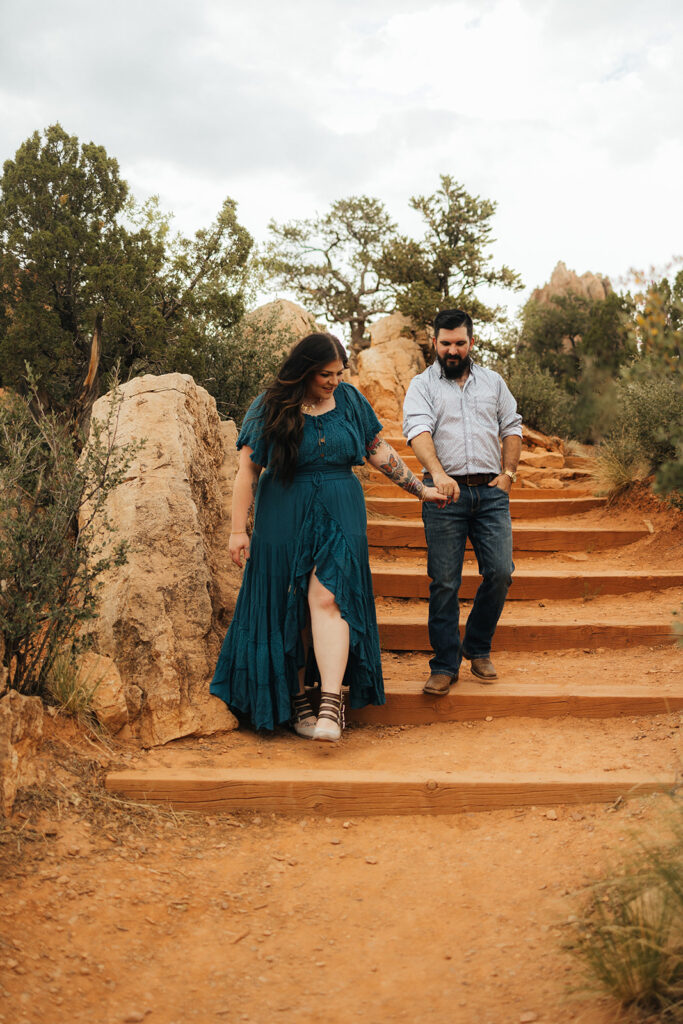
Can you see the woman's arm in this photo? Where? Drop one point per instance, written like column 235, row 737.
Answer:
column 243, row 494
column 383, row 457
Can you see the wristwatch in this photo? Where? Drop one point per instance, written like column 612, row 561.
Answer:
column 513, row 476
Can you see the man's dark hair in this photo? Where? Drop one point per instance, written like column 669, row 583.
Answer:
column 449, row 319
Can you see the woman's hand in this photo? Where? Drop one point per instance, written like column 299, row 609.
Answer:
column 238, row 543
column 433, row 494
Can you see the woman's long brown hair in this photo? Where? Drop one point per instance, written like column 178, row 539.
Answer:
column 283, row 419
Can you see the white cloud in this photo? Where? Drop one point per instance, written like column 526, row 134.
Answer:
column 568, row 115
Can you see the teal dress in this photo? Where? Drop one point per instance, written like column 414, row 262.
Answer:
column 318, row 521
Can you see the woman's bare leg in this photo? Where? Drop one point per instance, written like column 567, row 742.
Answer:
column 330, row 635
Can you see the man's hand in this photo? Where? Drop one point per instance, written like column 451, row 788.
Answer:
column 502, row 482
column 445, row 484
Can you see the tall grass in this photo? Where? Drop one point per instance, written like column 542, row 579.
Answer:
column 71, row 690
column 620, row 462
column 630, row 935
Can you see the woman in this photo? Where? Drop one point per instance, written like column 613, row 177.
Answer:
column 308, row 558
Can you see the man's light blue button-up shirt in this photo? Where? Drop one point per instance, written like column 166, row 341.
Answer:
column 465, row 422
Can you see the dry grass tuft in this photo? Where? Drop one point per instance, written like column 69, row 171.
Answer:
column 630, row 935
column 619, row 463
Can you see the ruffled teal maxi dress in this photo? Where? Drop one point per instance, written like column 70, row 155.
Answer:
column 319, row 521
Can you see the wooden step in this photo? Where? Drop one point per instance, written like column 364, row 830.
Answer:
column 527, row 584
column 469, row 700
column 520, row 508
column 410, row 534
column 357, row 792
column 407, row 631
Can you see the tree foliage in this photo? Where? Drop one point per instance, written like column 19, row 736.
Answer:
column 571, row 332
column 333, row 262
column 658, row 334
column 452, row 260
column 74, row 247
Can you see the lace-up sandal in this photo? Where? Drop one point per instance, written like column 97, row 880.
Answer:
column 330, row 723
column 303, row 716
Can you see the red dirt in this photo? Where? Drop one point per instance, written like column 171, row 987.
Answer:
column 111, row 912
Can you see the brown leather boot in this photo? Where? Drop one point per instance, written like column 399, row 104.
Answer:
column 439, row 683
column 483, row 669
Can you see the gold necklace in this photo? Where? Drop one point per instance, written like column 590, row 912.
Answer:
column 310, row 406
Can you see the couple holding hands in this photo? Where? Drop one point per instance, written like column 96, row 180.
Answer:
column 306, row 610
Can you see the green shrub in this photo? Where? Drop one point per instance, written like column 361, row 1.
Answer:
column 55, row 537
column 647, row 425
column 651, row 410
column 630, row 934
column 543, row 404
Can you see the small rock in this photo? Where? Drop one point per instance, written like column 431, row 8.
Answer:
column 370, row 860
column 335, row 842
column 551, row 816
column 528, row 1018
column 136, row 1016
column 489, row 718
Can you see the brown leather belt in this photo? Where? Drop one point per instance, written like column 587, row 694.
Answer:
column 474, row 479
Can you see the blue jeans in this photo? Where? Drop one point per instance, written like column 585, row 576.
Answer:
column 483, row 515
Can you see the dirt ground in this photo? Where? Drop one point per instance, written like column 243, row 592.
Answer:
column 115, row 912
column 112, row 912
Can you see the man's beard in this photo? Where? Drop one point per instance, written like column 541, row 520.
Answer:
column 454, row 367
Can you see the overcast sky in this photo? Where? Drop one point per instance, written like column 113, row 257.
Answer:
column 567, row 113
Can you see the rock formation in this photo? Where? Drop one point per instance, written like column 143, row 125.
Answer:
column 386, row 368
column 21, row 728
column 99, row 675
column 163, row 613
column 563, row 281
column 285, row 316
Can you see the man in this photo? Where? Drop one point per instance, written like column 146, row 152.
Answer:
column 453, row 416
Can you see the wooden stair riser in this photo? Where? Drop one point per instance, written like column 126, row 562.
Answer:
column 413, row 636
column 348, row 793
column 528, row 586
column 410, row 534
column 529, row 702
column 409, row 508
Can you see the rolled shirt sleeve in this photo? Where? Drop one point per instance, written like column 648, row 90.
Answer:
column 509, row 420
column 419, row 414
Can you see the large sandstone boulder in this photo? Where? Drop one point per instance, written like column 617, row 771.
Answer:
column 163, row 613
column 99, row 675
column 386, row 368
column 282, row 317
column 563, row 281
column 21, row 728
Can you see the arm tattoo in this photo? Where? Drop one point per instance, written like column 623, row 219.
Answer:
column 395, row 468
column 374, row 445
